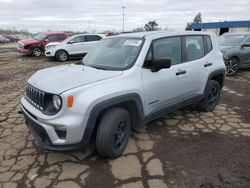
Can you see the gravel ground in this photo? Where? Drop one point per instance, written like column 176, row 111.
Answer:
column 185, row 149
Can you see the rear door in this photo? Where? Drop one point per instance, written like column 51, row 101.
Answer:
column 90, row 41
column 197, row 64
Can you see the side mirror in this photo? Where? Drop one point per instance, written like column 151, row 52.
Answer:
column 246, row 45
column 159, row 64
column 71, row 42
column 46, row 40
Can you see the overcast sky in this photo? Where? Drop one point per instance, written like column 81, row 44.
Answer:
column 37, row 15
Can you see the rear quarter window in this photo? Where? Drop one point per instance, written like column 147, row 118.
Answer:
column 208, row 44
column 60, row 37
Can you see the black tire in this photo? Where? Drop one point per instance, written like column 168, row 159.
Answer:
column 232, row 66
column 211, row 98
column 35, row 51
column 113, row 133
column 61, row 55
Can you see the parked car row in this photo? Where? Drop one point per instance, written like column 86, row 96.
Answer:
column 13, row 38
column 4, row 39
column 57, row 45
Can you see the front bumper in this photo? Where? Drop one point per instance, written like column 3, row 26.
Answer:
column 42, row 138
column 23, row 50
column 50, row 52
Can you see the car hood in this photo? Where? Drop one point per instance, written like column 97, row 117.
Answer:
column 28, row 41
column 224, row 48
column 61, row 78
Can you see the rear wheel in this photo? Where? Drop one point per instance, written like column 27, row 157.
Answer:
column 61, row 55
column 211, row 97
column 113, row 133
column 36, row 51
column 232, row 66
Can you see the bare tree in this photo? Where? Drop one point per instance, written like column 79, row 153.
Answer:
column 151, row 26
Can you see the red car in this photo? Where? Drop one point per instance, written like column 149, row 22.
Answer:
column 35, row 46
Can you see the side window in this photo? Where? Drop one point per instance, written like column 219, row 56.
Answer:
column 78, row 39
column 168, row 47
column 90, row 38
column 208, row 44
column 52, row 37
column 60, row 37
column 194, row 47
column 247, row 41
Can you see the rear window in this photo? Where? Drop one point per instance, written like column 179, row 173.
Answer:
column 194, row 47
column 89, row 38
column 60, row 37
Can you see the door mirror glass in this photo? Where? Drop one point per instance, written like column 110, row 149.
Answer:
column 163, row 63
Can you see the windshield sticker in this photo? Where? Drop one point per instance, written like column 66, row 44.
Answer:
column 132, row 42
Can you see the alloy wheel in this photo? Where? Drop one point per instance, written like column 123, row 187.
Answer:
column 37, row 52
column 231, row 67
column 213, row 96
column 63, row 56
column 120, row 134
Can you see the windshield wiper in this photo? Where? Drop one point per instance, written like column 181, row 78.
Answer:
column 100, row 68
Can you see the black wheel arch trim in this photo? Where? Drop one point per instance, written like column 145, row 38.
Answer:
column 115, row 101
column 213, row 74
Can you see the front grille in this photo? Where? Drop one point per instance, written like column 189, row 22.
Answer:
column 35, row 97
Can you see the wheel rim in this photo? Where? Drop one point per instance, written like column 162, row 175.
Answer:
column 37, row 52
column 120, row 134
column 213, row 96
column 231, row 66
column 63, row 56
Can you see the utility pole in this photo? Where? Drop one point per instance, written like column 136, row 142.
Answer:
column 123, row 10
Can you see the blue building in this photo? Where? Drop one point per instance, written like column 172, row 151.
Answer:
column 222, row 27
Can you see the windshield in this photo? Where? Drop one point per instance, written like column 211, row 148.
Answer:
column 40, row 36
column 230, row 40
column 114, row 53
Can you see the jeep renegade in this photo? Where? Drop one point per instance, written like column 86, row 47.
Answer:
column 124, row 82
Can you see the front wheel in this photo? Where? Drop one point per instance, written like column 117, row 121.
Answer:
column 211, row 98
column 113, row 133
column 232, row 66
column 61, row 55
column 36, row 51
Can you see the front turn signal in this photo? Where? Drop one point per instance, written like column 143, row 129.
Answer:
column 70, row 101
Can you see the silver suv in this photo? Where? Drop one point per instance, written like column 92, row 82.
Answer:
column 123, row 83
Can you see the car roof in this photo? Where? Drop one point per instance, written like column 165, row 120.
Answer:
column 159, row 34
column 240, row 33
column 54, row 32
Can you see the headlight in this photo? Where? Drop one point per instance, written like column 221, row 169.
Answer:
column 50, row 47
column 57, row 102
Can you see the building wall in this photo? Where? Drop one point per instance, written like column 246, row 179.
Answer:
column 215, row 31
column 231, row 30
column 242, row 29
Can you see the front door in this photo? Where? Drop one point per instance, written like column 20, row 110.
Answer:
column 167, row 86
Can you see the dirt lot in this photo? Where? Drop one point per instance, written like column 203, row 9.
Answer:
column 185, row 149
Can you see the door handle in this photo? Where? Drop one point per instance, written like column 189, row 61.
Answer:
column 180, row 72
column 208, row 64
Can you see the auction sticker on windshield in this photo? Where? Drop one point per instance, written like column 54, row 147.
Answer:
column 132, row 42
